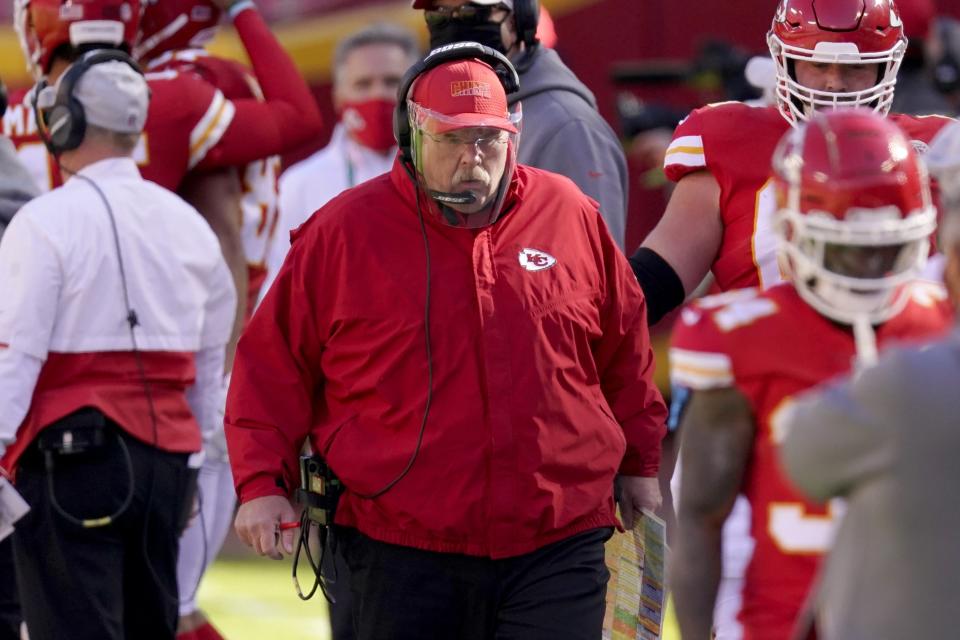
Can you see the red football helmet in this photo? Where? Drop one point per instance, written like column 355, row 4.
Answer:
column 168, row 25
column 835, row 31
column 855, row 214
column 45, row 25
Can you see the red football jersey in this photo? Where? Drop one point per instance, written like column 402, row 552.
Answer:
column 186, row 118
column 191, row 124
column 770, row 346
column 259, row 179
column 20, row 125
column 735, row 142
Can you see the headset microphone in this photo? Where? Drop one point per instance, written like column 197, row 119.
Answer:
column 446, row 198
column 457, row 197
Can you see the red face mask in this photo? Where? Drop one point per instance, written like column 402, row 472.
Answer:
column 370, row 123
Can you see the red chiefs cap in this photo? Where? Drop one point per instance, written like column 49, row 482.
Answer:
column 465, row 93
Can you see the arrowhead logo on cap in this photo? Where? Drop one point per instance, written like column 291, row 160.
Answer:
column 462, row 88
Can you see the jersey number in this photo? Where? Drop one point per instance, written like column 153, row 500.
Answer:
column 791, row 527
column 794, row 530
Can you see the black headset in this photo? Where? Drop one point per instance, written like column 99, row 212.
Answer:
column 3, row 98
column 441, row 55
column 526, row 17
column 65, row 121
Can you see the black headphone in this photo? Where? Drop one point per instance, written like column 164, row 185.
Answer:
column 441, row 55
column 65, row 123
column 526, row 16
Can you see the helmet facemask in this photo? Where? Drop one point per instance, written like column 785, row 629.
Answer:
column 27, row 37
column 855, row 268
column 798, row 103
column 855, row 214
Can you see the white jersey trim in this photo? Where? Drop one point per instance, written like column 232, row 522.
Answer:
column 211, row 128
column 700, row 370
column 686, row 151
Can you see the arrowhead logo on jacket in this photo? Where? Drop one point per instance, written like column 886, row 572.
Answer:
column 536, row 260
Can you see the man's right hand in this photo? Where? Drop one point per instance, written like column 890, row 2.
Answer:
column 258, row 525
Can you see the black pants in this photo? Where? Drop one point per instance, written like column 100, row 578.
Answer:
column 9, row 602
column 341, row 610
column 554, row 593
column 107, row 583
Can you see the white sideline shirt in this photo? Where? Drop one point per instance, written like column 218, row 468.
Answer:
column 61, row 289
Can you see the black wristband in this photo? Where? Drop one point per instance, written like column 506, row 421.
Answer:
column 660, row 283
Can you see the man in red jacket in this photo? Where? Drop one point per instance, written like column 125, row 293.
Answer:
column 463, row 343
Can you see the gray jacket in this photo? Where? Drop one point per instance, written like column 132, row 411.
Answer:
column 563, row 132
column 16, row 185
column 889, row 443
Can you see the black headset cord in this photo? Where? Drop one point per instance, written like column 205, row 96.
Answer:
column 426, row 332
column 303, row 541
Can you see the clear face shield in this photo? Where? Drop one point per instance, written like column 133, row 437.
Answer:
column 797, row 103
column 464, row 164
column 854, row 270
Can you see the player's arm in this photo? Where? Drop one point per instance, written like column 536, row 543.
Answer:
column 32, row 279
column 669, row 456
column 717, row 434
column 216, row 195
column 287, row 118
column 206, row 395
column 679, row 251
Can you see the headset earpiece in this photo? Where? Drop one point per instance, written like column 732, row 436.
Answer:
column 3, row 98
column 526, row 17
column 64, row 124
column 401, row 129
column 441, row 55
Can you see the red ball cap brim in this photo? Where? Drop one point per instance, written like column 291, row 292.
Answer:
column 429, row 4
column 464, row 93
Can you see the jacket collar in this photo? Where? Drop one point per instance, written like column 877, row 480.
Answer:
column 407, row 186
column 110, row 169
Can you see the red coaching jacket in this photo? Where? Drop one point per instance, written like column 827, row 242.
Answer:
column 542, row 370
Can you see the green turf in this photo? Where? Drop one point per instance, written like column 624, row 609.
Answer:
column 254, row 599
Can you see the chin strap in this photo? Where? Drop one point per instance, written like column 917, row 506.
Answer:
column 865, row 339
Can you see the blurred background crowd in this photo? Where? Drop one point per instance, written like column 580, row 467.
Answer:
column 648, row 63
